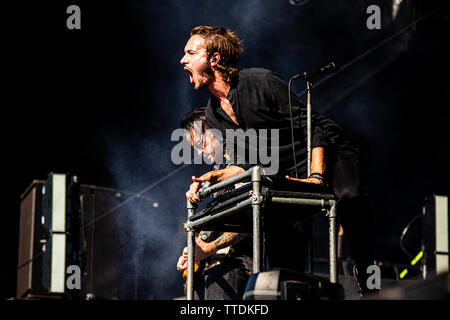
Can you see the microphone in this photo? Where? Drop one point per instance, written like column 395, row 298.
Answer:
column 329, row 68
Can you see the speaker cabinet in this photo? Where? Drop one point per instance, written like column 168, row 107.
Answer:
column 92, row 227
column 30, row 233
column 436, row 235
column 49, row 236
column 284, row 284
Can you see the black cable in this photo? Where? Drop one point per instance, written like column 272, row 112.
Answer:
column 7, row 274
column 405, row 230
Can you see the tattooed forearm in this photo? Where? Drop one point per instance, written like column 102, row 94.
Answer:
column 228, row 239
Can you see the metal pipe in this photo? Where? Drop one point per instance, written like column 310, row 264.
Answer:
column 222, row 185
column 332, row 242
column 190, row 255
column 307, row 202
column 256, row 204
column 202, row 221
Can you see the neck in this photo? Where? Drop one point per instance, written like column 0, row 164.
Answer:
column 219, row 88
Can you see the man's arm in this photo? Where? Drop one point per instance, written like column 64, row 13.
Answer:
column 214, row 177
column 318, row 160
column 205, row 249
column 318, row 165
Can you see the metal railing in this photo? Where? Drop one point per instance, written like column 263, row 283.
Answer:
column 326, row 203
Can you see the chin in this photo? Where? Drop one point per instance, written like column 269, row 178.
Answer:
column 199, row 86
column 202, row 83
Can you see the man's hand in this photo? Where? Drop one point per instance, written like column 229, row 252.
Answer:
column 202, row 251
column 307, row 180
column 191, row 195
column 214, row 176
column 182, row 261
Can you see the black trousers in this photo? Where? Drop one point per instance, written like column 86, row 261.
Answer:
column 353, row 210
column 286, row 241
column 226, row 281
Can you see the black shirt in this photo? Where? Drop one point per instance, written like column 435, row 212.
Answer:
column 259, row 99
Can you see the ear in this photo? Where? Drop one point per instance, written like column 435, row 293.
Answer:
column 215, row 58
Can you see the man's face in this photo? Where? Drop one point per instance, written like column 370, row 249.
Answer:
column 196, row 62
column 203, row 143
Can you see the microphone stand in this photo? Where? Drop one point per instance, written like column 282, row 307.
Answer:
column 308, row 154
column 308, row 125
column 308, row 76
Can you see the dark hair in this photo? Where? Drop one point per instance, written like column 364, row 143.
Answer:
column 226, row 43
column 198, row 114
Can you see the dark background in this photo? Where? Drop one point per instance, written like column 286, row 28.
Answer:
column 102, row 102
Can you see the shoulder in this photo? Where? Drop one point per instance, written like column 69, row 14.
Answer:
column 257, row 73
column 260, row 78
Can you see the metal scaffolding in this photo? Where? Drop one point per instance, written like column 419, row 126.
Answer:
column 257, row 201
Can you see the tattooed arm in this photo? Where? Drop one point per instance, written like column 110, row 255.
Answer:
column 227, row 239
column 205, row 249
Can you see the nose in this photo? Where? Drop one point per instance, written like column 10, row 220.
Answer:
column 183, row 60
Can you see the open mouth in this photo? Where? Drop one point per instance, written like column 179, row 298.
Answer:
column 191, row 77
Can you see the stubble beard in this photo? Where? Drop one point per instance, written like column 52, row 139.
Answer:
column 206, row 74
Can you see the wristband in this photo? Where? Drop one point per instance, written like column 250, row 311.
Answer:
column 316, row 175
